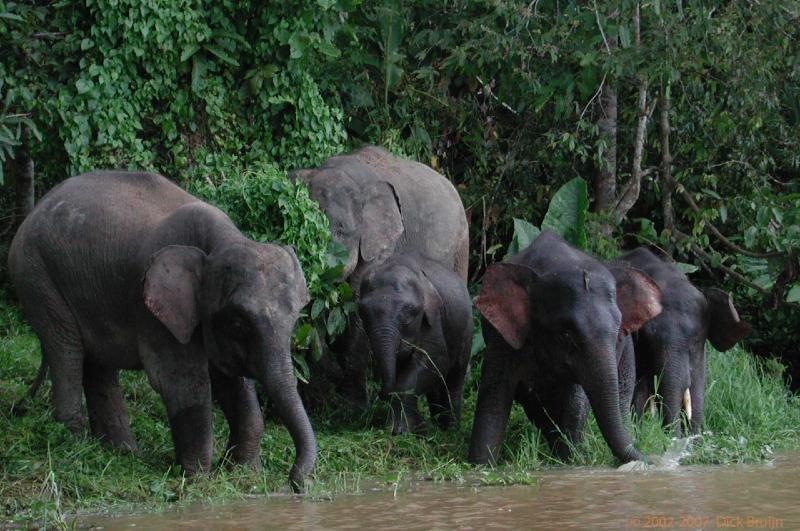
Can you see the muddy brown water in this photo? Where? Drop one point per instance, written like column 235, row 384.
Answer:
column 763, row 496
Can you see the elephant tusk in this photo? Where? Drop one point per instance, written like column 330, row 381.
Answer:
column 687, row 403
column 653, row 409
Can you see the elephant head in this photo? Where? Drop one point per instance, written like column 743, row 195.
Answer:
column 397, row 300
column 363, row 209
column 565, row 311
column 725, row 328
column 245, row 297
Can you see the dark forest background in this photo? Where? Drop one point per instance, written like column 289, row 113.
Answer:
column 683, row 118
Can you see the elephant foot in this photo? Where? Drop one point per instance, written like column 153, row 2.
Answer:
column 411, row 423
column 232, row 459
column 77, row 424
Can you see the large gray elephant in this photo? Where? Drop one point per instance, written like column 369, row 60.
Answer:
column 120, row 270
column 418, row 317
column 380, row 205
column 672, row 347
column 556, row 323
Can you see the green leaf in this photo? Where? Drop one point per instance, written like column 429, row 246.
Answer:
column 686, row 268
column 199, row 68
column 317, row 308
column 11, row 16
column 336, row 322
column 189, row 51
column 566, row 214
column 222, row 54
column 625, row 36
column 794, row 294
column 524, row 234
column 84, row 85
column 327, row 48
column 301, row 369
column 478, row 343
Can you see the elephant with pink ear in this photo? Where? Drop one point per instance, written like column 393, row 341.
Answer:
column 671, row 349
column 557, row 325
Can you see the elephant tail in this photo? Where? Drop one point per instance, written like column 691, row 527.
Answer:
column 19, row 408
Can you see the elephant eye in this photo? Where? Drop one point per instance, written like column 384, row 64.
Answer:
column 236, row 329
column 408, row 312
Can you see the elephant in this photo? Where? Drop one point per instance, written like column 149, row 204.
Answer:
column 417, row 315
column 673, row 345
column 557, row 325
column 125, row 270
column 379, row 205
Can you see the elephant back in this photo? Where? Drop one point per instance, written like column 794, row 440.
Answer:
column 403, row 206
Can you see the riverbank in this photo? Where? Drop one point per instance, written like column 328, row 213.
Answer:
column 48, row 475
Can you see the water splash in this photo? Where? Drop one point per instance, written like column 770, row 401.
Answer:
column 671, row 460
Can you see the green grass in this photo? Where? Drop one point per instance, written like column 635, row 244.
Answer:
column 48, row 474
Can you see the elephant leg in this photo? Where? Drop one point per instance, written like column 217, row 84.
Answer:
column 62, row 350
column 641, row 395
column 355, row 360
column 236, row 396
column 561, row 416
column 180, row 375
column 627, row 379
column 697, row 392
column 411, row 383
column 445, row 402
column 108, row 416
column 674, row 382
column 495, row 397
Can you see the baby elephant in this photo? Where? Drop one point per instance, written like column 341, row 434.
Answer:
column 417, row 316
column 120, row 270
column 673, row 345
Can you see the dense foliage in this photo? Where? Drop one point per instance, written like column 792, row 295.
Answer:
column 672, row 124
column 509, row 99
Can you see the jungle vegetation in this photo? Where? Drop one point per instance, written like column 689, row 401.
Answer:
column 674, row 124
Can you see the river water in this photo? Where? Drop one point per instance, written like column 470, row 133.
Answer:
column 763, row 496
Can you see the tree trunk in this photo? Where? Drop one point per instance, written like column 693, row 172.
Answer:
column 630, row 194
column 606, row 184
column 666, row 163
column 24, row 178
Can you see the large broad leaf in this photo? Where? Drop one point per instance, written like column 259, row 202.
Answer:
column 794, row 294
column 567, row 212
column 524, row 234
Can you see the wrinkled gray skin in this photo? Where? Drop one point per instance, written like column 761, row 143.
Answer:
column 379, row 205
column 556, row 324
column 120, row 270
column 418, row 318
column 672, row 347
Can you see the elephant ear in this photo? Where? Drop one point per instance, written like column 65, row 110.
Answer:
column 725, row 328
column 431, row 300
column 638, row 297
column 304, row 176
column 381, row 224
column 301, row 291
column 171, row 285
column 505, row 303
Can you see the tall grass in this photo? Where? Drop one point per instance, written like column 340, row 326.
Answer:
column 48, row 474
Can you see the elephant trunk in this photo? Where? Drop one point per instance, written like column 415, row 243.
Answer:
column 277, row 377
column 385, row 341
column 602, row 388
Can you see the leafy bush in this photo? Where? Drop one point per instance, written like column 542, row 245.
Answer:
column 269, row 207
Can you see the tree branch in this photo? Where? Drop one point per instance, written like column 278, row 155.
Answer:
column 679, row 236
column 665, row 172
column 631, row 193
column 725, row 241
column 632, row 189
